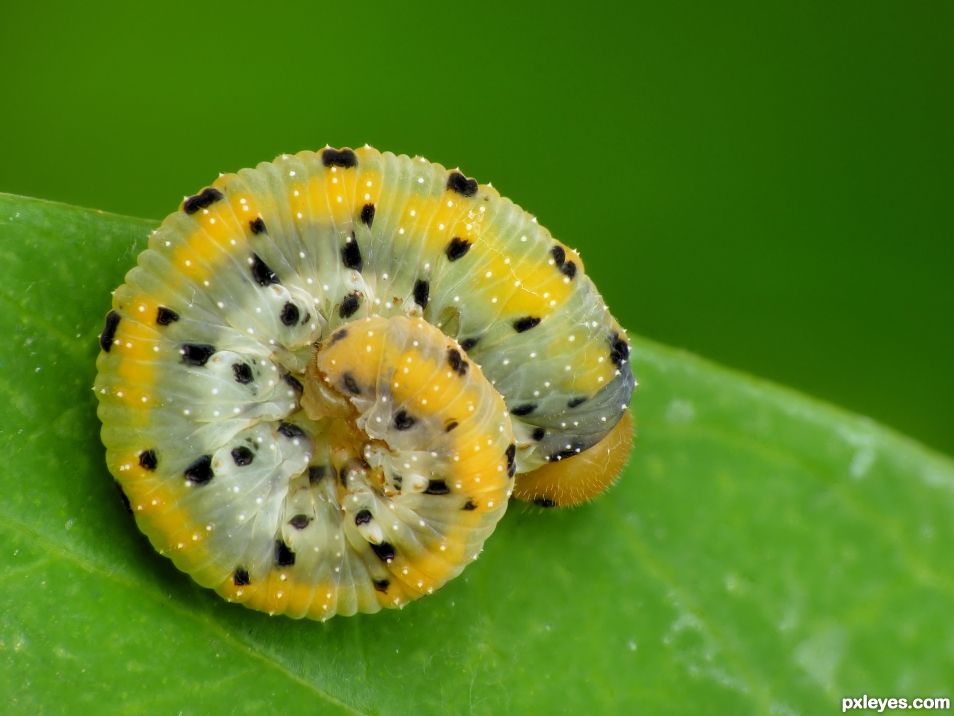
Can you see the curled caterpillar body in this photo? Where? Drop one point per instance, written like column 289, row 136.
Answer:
column 326, row 376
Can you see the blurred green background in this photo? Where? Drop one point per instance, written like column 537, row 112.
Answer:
column 767, row 185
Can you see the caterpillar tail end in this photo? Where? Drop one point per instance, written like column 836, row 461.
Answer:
column 578, row 479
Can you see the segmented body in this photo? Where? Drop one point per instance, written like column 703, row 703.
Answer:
column 317, row 384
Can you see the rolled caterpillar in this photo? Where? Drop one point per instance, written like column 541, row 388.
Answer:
column 326, row 376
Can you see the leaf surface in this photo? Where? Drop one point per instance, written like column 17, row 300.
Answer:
column 762, row 553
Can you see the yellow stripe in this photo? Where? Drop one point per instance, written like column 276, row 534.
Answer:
column 219, row 234
column 135, row 359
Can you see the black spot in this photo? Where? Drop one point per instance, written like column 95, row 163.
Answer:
column 619, row 350
column 437, row 487
column 362, row 517
column 457, row 248
column 349, row 305
column 344, row 158
column 200, row 471
column 316, row 473
column 196, row 354
column 403, row 421
column 127, row 505
column 574, row 449
column 203, row 200
column 337, row 336
column 511, row 455
column 300, row 522
column 559, row 255
column 240, row 577
column 291, row 431
column 385, row 551
column 148, row 460
column 290, row 314
column 109, row 331
column 350, row 384
column 568, row 269
column 381, row 584
column 242, row 456
column 257, row 225
column 457, row 364
column 261, row 273
column 538, row 434
column 351, row 254
column 293, row 383
column 576, row 402
column 367, row 214
column 544, row 502
column 524, row 409
column 243, row 373
column 469, row 506
column 451, row 424
column 165, row 316
column 284, row 557
column 422, row 291
column 469, row 343
column 525, row 323
column 461, row 184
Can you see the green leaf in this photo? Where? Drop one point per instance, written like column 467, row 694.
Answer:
column 763, row 553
